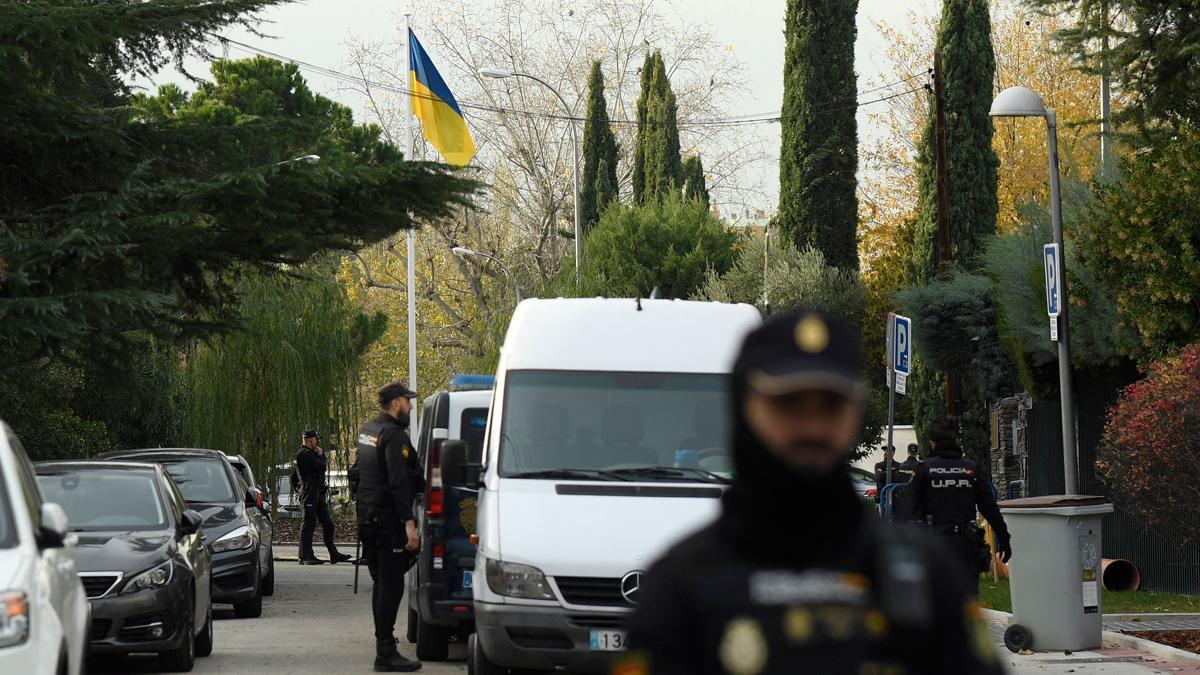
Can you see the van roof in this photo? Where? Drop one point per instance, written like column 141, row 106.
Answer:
column 614, row 334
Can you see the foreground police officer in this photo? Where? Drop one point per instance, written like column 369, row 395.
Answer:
column 947, row 490
column 311, row 464
column 795, row 576
column 385, row 494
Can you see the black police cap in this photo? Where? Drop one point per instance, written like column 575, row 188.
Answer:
column 392, row 391
column 311, row 433
column 805, row 350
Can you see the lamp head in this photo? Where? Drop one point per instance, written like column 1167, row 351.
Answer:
column 462, row 252
column 495, row 73
column 1018, row 102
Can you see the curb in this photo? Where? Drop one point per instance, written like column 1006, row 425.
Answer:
column 1152, row 648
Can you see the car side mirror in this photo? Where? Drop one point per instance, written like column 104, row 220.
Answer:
column 251, row 498
column 54, row 527
column 191, row 522
column 456, row 471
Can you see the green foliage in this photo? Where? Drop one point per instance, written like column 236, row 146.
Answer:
column 668, row 244
column 599, row 184
column 295, row 363
column 794, row 279
column 1152, row 55
column 1014, row 263
column 657, row 165
column 1141, row 238
column 695, row 185
column 969, row 70
column 818, row 204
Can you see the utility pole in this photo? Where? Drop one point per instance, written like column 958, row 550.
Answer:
column 1105, row 101
column 943, row 201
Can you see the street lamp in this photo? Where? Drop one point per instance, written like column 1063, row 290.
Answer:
column 306, row 159
column 462, row 252
column 500, row 74
column 1023, row 102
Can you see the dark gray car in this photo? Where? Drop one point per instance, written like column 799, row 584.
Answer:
column 262, row 518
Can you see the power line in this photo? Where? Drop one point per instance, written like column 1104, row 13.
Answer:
column 738, row 120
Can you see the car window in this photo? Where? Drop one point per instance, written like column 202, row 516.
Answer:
column 30, row 497
column 105, row 499
column 8, row 529
column 472, row 429
column 178, row 504
column 201, row 479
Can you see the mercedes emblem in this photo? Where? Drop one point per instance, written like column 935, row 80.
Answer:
column 631, row 586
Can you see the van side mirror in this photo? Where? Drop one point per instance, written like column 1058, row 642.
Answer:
column 54, row 527
column 191, row 522
column 456, row 471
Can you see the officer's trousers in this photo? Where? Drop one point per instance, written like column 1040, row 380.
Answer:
column 383, row 540
column 964, row 545
column 312, row 513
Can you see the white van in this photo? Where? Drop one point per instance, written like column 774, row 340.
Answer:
column 606, row 443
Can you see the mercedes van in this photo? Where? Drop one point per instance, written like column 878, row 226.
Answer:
column 607, row 442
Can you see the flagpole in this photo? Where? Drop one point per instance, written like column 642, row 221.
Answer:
column 412, row 282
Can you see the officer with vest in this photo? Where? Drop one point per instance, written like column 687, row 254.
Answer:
column 311, row 465
column 796, row 576
column 948, row 490
column 386, row 487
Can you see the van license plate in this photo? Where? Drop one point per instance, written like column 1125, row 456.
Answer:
column 609, row 640
column 468, row 579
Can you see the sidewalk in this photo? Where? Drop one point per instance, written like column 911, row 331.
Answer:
column 1119, row 655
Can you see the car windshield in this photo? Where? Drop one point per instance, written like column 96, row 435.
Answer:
column 8, row 533
column 99, row 499
column 616, row 423
column 200, row 479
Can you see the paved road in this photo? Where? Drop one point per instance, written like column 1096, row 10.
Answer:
column 313, row 624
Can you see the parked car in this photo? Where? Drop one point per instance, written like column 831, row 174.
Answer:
column 440, row 584
column 261, row 515
column 141, row 557
column 864, row 484
column 211, row 486
column 609, row 429
column 43, row 609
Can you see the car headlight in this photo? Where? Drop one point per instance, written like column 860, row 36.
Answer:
column 155, row 577
column 236, row 540
column 14, row 618
column 518, row 581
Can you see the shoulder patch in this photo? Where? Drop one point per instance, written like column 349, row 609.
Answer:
column 744, row 648
column 368, row 440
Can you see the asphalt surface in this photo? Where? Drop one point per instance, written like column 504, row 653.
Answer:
column 313, row 624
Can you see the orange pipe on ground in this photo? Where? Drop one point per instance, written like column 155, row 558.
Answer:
column 1118, row 574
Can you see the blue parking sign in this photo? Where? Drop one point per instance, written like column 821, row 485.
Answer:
column 1052, row 265
column 901, row 343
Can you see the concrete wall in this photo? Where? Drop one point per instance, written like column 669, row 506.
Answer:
column 901, row 437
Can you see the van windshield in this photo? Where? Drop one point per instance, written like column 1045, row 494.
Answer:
column 615, row 426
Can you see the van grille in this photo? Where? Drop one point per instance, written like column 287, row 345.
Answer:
column 598, row 620
column 596, row 591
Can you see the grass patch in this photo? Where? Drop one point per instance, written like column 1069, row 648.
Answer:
column 995, row 595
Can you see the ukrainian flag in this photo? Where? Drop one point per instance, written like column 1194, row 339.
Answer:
column 433, row 103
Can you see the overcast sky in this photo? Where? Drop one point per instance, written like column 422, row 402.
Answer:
column 317, row 31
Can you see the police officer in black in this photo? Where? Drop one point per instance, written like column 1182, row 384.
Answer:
column 900, row 474
column 948, row 490
column 311, row 463
column 387, row 483
column 796, row 576
column 913, row 460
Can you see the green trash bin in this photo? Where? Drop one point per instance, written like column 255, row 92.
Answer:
column 1054, row 575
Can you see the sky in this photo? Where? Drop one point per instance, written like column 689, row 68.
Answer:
column 318, row 31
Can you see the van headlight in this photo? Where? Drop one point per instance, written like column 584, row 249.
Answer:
column 155, row 577
column 14, row 618
column 518, row 581
column 234, row 541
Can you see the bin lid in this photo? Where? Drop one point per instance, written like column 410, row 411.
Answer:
column 1051, row 501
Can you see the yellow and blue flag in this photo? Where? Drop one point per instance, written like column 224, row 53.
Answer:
column 433, row 103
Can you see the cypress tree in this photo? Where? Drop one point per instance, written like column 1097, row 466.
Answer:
column 818, row 202
column 658, row 134
column 639, row 148
column 694, row 184
column 969, row 69
column 599, row 151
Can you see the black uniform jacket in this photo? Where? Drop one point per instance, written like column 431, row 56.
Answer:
column 311, row 467
column 948, row 489
column 388, row 471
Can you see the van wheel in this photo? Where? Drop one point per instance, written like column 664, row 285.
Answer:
column 268, row 582
column 411, row 628
column 183, row 658
column 204, row 641
column 433, row 641
column 477, row 661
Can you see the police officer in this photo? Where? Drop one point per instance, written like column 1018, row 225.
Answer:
column 386, row 488
column 947, row 490
column 913, row 460
column 796, row 576
column 311, row 463
column 900, row 474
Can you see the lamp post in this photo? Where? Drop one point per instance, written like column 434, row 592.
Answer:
column 1023, row 102
column 500, row 74
column 468, row 253
column 306, row 159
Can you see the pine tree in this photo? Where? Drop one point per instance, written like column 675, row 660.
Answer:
column 599, row 153
column 694, row 183
column 818, row 204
